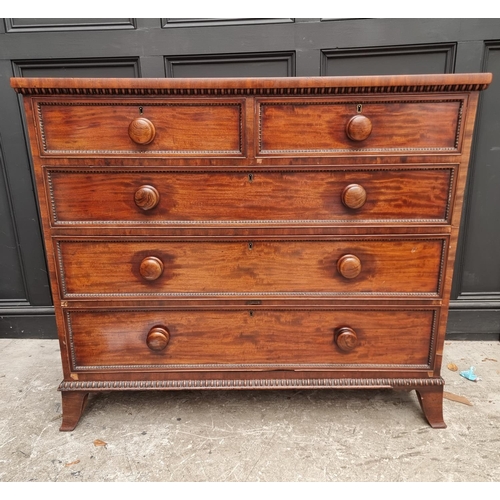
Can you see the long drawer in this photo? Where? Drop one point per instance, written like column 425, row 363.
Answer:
column 397, row 194
column 378, row 266
column 250, row 339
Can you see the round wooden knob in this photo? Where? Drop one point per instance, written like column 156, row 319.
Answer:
column 346, row 338
column 157, row 338
column 358, row 128
column 151, row 268
column 354, row 196
column 349, row 266
column 141, row 131
column 147, row 197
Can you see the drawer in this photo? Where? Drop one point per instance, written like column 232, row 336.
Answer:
column 330, row 126
column 97, row 196
column 161, row 127
column 250, row 339
column 204, row 268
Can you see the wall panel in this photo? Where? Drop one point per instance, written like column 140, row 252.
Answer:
column 231, row 65
column 11, row 277
column 408, row 60
column 54, row 24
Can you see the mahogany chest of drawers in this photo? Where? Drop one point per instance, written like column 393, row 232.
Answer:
column 251, row 233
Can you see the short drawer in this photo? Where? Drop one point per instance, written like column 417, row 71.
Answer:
column 331, row 126
column 397, row 194
column 250, row 339
column 392, row 266
column 162, row 127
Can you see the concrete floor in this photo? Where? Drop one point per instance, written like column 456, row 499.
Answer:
column 246, row 436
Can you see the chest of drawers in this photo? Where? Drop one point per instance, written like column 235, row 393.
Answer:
column 251, row 233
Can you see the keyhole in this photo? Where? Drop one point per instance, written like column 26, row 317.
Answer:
column 141, row 110
column 250, row 245
column 359, row 108
column 250, row 177
column 251, row 313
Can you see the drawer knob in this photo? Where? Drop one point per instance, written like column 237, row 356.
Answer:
column 157, row 338
column 349, row 266
column 354, row 196
column 151, row 268
column 346, row 338
column 358, row 128
column 147, row 197
column 141, row 131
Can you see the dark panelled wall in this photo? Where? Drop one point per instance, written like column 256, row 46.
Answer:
column 173, row 48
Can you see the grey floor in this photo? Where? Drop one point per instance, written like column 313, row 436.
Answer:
column 247, row 436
